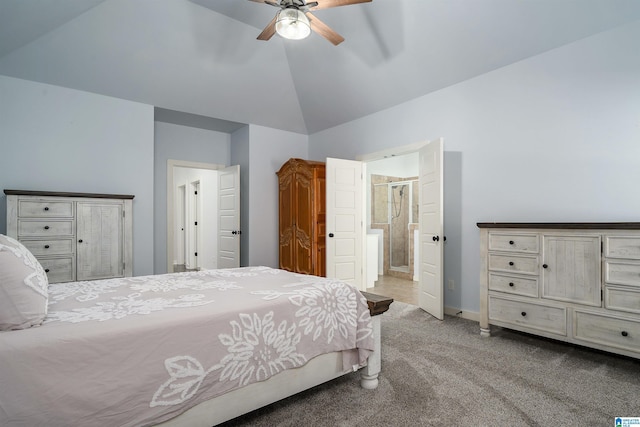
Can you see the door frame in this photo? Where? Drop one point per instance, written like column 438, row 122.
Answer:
column 392, row 152
column 171, row 164
column 387, row 153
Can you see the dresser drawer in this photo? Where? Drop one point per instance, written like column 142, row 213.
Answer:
column 608, row 331
column 49, row 246
column 45, row 228
column 622, row 273
column 513, row 242
column 516, row 285
column 45, row 209
column 528, row 314
column 59, row 269
column 622, row 298
column 622, row 247
column 514, row 263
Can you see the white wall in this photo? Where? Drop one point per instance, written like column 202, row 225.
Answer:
column 58, row 139
column 260, row 152
column 551, row 138
column 185, row 143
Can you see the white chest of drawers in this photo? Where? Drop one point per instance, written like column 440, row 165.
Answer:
column 75, row 236
column 574, row 282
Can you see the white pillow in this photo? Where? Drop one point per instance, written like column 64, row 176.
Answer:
column 23, row 287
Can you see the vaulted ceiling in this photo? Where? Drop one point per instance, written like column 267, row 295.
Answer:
column 201, row 56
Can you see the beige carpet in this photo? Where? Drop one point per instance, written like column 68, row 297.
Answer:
column 444, row 374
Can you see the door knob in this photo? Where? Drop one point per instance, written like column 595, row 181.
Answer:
column 330, row 234
column 436, row 238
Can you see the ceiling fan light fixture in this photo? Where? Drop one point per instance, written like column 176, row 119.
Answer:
column 292, row 24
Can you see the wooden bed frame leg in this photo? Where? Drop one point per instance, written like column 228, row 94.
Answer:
column 369, row 374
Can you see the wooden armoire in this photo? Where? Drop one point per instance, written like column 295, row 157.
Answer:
column 302, row 225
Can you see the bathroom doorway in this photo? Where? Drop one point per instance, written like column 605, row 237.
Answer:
column 394, row 207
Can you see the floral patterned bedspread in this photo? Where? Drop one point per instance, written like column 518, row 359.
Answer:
column 137, row 351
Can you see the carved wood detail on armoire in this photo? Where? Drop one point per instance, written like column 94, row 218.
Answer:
column 302, row 216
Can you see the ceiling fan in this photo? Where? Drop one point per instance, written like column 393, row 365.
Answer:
column 295, row 20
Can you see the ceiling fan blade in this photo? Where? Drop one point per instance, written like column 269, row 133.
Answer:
column 269, row 30
column 326, row 4
column 323, row 29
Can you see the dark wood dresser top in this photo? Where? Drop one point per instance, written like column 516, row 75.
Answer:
column 66, row 194
column 564, row 225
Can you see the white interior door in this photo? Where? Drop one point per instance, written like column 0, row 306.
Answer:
column 181, row 225
column 193, row 246
column 229, row 217
column 345, row 225
column 431, row 297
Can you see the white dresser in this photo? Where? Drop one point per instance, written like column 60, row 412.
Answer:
column 574, row 282
column 75, row 236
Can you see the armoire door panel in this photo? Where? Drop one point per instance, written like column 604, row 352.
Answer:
column 301, row 227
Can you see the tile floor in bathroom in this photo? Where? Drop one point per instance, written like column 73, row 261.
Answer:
column 399, row 289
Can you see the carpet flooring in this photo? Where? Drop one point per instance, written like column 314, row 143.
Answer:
column 444, row 374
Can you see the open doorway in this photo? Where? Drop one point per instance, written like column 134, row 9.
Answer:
column 202, row 216
column 393, row 218
column 429, row 251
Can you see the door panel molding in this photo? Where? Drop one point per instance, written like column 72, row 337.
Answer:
column 346, row 232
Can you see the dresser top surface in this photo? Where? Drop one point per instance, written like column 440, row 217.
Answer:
column 66, row 194
column 563, row 225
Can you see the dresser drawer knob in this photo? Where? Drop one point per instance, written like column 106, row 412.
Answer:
column 544, row 266
column 80, row 241
column 46, row 246
column 46, row 227
column 624, row 333
column 511, row 284
column 46, row 208
column 524, row 313
column 510, row 262
column 46, row 270
column 511, row 242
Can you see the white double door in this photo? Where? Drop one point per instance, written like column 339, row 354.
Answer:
column 346, row 229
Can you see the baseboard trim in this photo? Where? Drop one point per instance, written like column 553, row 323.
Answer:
column 470, row 315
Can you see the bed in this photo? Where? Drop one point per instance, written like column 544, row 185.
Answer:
column 181, row 349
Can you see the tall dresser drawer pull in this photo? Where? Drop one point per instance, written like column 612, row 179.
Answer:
column 524, row 313
column 46, row 208
column 624, row 333
column 46, row 246
column 511, row 284
column 46, row 227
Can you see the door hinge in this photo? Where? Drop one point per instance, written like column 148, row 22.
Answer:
column 195, row 192
column 195, row 223
column 601, row 295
